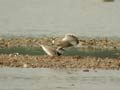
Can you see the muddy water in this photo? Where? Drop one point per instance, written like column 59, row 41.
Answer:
column 49, row 79
column 57, row 17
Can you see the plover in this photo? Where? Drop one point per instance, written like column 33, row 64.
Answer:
column 52, row 51
column 68, row 41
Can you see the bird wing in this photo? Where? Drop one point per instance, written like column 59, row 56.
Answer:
column 71, row 39
column 49, row 50
column 64, row 44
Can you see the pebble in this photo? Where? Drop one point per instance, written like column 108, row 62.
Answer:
column 25, row 65
column 85, row 70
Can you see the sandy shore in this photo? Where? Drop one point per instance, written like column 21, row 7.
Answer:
column 91, row 43
column 27, row 61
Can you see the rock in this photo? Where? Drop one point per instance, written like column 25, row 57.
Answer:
column 85, row 70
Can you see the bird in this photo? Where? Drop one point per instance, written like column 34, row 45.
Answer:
column 52, row 51
column 68, row 40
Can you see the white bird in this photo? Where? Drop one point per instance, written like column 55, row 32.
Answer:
column 73, row 39
column 68, row 41
column 52, row 51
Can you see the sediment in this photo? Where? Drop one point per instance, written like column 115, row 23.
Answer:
column 92, row 43
column 27, row 61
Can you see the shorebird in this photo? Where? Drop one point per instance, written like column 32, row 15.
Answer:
column 52, row 51
column 68, row 41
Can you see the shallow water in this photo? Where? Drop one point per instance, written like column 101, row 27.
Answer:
column 50, row 79
column 68, row 52
column 57, row 17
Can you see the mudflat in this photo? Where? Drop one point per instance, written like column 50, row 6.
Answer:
column 44, row 61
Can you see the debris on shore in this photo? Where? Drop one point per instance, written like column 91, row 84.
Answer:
column 27, row 61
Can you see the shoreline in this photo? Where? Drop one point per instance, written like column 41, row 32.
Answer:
column 85, row 43
column 62, row 62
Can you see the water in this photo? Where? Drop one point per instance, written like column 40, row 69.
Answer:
column 68, row 52
column 57, row 17
column 49, row 79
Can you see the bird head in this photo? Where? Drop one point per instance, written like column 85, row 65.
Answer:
column 60, row 50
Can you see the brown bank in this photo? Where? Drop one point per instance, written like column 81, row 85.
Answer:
column 27, row 61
